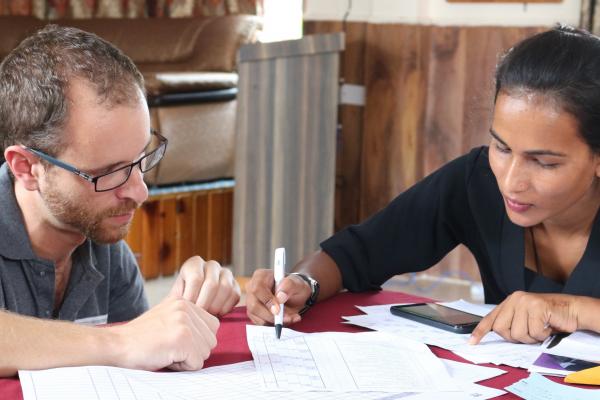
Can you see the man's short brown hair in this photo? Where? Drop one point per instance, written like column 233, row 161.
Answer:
column 35, row 76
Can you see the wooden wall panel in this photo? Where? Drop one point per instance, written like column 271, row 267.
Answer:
column 429, row 100
column 444, row 120
column 444, row 113
column 485, row 45
column 349, row 140
column 395, row 75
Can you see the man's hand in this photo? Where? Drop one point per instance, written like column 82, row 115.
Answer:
column 176, row 334
column 262, row 304
column 208, row 285
column 529, row 317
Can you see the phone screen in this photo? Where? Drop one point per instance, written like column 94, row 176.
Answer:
column 442, row 314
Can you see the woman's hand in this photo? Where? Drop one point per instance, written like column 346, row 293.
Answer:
column 530, row 317
column 262, row 304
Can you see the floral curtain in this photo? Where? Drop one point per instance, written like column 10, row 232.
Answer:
column 590, row 16
column 53, row 9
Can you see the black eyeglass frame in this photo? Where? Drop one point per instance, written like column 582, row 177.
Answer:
column 94, row 179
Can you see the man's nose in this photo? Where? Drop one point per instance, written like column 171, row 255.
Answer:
column 135, row 188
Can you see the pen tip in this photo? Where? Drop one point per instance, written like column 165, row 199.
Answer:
column 278, row 330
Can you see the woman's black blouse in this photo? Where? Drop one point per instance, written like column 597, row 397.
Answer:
column 458, row 204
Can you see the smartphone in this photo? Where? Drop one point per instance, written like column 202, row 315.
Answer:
column 438, row 316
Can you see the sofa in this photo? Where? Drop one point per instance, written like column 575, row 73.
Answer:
column 189, row 65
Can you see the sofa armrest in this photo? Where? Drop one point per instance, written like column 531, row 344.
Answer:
column 178, row 82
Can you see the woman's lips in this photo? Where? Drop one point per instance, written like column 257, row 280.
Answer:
column 516, row 206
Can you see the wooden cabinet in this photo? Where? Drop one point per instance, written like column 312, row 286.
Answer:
column 170, row 228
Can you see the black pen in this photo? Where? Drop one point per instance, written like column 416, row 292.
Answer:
column 556, row 339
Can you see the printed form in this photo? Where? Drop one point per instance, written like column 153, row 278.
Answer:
column 234, row 381
column 334, row 361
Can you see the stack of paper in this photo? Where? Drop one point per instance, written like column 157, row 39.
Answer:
column 234, row 381
column 492, row 349
column 345, row 362
column 363, row 363
column 287, row 367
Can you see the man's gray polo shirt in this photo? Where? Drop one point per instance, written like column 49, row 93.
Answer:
column 105, row 284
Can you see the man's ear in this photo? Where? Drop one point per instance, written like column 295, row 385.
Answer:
column 25, row 166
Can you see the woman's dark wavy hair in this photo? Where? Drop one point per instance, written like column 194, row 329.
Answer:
column 563, row 65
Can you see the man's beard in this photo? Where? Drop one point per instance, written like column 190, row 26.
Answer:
column 75, row 214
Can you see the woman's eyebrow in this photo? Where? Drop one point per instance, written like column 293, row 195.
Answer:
column 497, row 137
column 529, row 152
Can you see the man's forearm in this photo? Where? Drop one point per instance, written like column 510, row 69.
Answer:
column 31, row 343
column 322, row 268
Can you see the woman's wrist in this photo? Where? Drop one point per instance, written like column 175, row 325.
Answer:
column 587, row 310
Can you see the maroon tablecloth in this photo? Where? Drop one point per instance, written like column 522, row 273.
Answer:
column 232, row 346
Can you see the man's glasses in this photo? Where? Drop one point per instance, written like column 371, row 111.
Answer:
column 113, row 179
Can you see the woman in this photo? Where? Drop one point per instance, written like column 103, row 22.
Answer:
column 526, row 206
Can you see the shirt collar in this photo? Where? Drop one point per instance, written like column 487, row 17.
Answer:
column 14, row 240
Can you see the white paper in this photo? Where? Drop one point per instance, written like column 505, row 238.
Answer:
column 409, row 329
column 379, row 309
column 92, row 382
column 472, row 391
column 471, row 373
column 333, row 361
column 234, row 381
column 581, row 345
column 492, row 349
column 240, row 381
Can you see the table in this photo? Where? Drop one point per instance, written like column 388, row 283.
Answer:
column 325, row 316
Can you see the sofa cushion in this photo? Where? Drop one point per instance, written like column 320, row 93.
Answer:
column 156, row 44
column 146, row 40
column 195, row 154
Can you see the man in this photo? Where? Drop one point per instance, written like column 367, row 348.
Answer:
column 76, row 135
